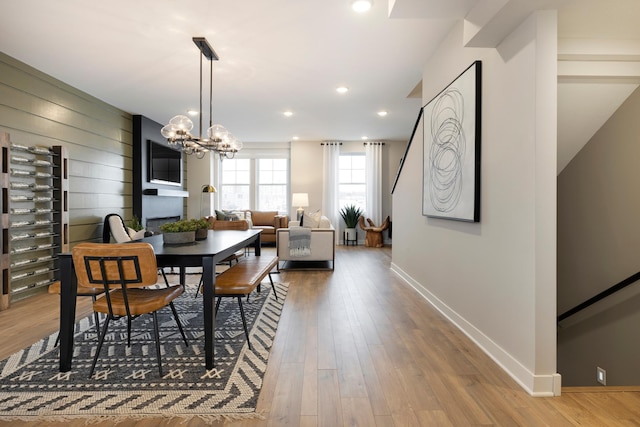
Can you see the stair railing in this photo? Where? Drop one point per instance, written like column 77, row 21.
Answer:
column 602, row 295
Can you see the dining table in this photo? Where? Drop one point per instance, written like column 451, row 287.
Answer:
column 205, row 253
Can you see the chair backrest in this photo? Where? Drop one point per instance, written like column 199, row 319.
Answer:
column 114, row 226
column 132, row 264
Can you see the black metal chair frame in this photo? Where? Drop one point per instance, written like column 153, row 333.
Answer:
column 123, row 285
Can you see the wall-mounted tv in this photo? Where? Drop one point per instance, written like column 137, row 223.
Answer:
column 165, row 164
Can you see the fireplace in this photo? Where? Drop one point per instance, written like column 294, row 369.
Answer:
column 153, row 224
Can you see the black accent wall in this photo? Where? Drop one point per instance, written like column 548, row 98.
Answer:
column 147, row 203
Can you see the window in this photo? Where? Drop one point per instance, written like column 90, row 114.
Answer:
column 236, row 184
column 260, row 184
column 272, row 184
column 352, row 188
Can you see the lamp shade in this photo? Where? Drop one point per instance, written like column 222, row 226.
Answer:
column 209, row 189
column 300, row 200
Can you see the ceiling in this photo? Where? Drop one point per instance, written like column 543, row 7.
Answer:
column 281, row 55
column 598, row 67
column 275, row 55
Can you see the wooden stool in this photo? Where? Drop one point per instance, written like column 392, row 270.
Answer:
column 373, row 237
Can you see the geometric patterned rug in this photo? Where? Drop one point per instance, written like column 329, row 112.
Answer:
column 126, row 381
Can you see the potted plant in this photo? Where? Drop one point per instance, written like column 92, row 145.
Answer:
column 178, row 232
column 350, row 214
column 135, row 224
column 203, row 228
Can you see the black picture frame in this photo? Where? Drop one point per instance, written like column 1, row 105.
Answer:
column 451, row 144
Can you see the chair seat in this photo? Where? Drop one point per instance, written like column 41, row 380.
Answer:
column 141, row 300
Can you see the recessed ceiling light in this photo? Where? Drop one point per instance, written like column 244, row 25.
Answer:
column 342, row 89
column 288, row 113
column 361, row 6
column 192, row 112
column 295, row 138
column 364, row 138
column 382, row 113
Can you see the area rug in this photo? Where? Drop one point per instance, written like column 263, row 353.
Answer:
column 127, row 384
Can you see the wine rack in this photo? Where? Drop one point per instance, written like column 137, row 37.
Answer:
column 35, row 217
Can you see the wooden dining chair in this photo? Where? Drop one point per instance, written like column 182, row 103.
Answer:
column 125, row 271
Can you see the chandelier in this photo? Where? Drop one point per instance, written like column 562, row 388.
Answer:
column 219, row 140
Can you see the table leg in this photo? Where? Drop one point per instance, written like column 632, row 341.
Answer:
column 208, row 295
column 257, row 246
column 183, row 276
column 68, row 292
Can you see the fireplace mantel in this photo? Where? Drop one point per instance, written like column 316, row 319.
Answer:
column 165, row 192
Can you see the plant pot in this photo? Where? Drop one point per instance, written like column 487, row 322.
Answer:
column 179, row 238
column 351, row 234
column 202, row 233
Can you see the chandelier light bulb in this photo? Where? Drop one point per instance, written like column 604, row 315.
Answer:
column 168, row 132
column 217, row 133
column 183, row 123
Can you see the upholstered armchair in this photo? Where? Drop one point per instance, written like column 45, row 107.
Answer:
column 322, row 243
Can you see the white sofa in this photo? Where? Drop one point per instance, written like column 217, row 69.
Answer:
column 323, row 247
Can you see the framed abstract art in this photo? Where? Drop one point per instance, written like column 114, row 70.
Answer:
column 451, row 168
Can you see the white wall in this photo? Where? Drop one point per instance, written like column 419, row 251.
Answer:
column 199, row 173
column 495, row 279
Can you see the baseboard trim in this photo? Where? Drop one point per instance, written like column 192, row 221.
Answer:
column 535, row 385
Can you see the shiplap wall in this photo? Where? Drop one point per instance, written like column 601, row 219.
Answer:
column 37, row 109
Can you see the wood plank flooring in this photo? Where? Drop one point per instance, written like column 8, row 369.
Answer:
column 358, row 347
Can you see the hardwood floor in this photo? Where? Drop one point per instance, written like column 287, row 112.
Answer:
column 358, row 347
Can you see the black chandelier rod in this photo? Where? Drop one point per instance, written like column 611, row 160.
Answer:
column 207, row 51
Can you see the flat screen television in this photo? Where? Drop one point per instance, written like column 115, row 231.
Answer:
column 165, row 164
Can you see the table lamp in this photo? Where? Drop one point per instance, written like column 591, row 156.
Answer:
column 302, row 201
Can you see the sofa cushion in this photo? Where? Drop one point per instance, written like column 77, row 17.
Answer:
column 266, row 229
column 262, row 218
column 215, row 224
column 324, row 222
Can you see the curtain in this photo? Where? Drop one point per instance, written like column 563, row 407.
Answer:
column 330, row 159
column 373, row 171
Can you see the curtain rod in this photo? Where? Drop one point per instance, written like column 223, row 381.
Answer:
column 331, row 143
column 373, row 143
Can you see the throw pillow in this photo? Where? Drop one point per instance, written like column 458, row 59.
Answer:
column 228, row 215
column 311, row 220
column 219, row 215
